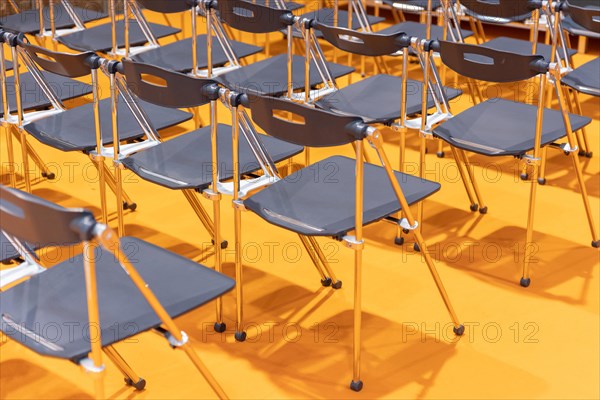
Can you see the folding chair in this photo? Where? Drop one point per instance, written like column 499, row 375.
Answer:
column 122, row 37
column 38, row 92
column 279, row 74
column 499, row 127
column 60, row 18
column 69, row 130
column 99, row 295
column 177, row 56
column 576, row 29
column 361, row 193
column 586, row 78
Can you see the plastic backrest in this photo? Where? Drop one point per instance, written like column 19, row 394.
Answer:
column 40, row 222
column 507, row 10
column 489, row 65
column 168, row 6
column 165, row 87
column 363, row 43
column 586, row 16
column 65, row 64
column 304, row 125
column 253, row 18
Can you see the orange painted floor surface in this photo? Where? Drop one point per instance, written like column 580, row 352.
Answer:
column 541, row 342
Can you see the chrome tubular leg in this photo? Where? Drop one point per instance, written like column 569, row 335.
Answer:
column 482, row 207
column 335, row 283
column 131, row 377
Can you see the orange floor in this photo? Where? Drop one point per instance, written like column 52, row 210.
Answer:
column 541, row 342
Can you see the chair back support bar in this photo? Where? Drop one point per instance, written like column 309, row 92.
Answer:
column 303, row 125
column 253, row 18
column 168, row 88
column 35, row 220
column 363, row 43
column 168, row 6
column 499, row 10
column 487, row 64
column 588, row 17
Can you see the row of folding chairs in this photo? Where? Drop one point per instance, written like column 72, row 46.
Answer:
column 367, row 193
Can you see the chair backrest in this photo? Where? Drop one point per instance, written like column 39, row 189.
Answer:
column 253, row 18
column 487, row 64
column 363, row 43
column 586, row 16
column 304, row 125
column 167, row 88
column 500, row 11
column 168, row 6
column 35, row 220
column 65, row 64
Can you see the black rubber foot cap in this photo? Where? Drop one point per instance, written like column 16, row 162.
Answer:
column 129, row 206
column 596, row 244
column 399, row 241
column 588, row 155
column 220, row 327
column 524, row 177
column 416, row 247
column 139, row 385
column 483, row 210
column 49, row 176
column 240, row 336
column 542, row 181
column 474, row 207
column 337, row 285
column 441, row 154
column 326, row 282
column 581, row 153
column 525, row 282
column 224, row 244
column 356, row 386
column 459, row 331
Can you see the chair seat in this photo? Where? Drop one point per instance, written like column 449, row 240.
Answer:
column 377, row 99
column 29, row 21
column 319, row 200
column 73, row 130
column 575, row 29
column 34, row 98
column 416, row 6
column 57, row 298
column 522, row 47
column 177, row 56
column 8, row 65
column 99, row 38
column 416, row 29
column 185, row 162
column 269, row 77
column 325, row 16
column 585, row 79
column 7, row 251
column 499, row 127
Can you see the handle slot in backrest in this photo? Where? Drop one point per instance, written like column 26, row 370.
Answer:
column 588, row 17
column 166, row 88
column 363, row 43
column 65, row 64
column 500, row 11
column 253, row 18
column 308, row 127
column 487, row 64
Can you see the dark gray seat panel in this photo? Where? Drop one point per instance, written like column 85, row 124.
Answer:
column 416, row 29
column 325, row 16
column 57, row 298
column 499, row 127
column 319, row 200
column 8, row 65
column 28, row 21
column 7, row 251
column 177, row 56
column 290, row 5
column 422, row 4
column 99, row 38
column 269, row 77
column 377, row 99
column 522, row 47
column 34, row 98
column 585, row 79
column 73, row 130
column 575, row 29
column 185, row 161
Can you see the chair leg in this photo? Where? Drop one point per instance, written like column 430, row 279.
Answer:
column 357, row 384
column 399, row 239
column 131, row 377
column 325, row 280
column 35, row 157
column 440, row 151
column 468, row 188
column 110, row 179
column 219, row 244
column 240, row 334
column 482, row 207
column 99, row 161
column 335, row 282
column 526, row 279
column 11, row 157
column 544, row 162
column 25, row 157
column 205, row 219
column 587, row 152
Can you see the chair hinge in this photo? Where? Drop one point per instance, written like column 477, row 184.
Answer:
column 239, row 205
column 352, row 243
column 88, row 365
column 404, row 224
column 533, row 161
column 211, row 195
column 177, row 343
column 427, row 135
column 566, row 147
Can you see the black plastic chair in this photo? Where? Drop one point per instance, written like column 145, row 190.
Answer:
column 118, row 36
column 274, row 75
column 499, row 127
column 359, row 194
column 178, row 56
column 575, row 28
column 101, row 295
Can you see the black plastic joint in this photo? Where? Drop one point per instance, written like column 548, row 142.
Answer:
column 404, row 40
column 359, row 130
column 13, row 40
column 236, row 100
column 211, row 4
column 541, row 66
column 308, row 23
column 114, row 66
column 94, row 61
column 287, row 18
column 84, row 226
column 212, row 91
column 432, row 45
